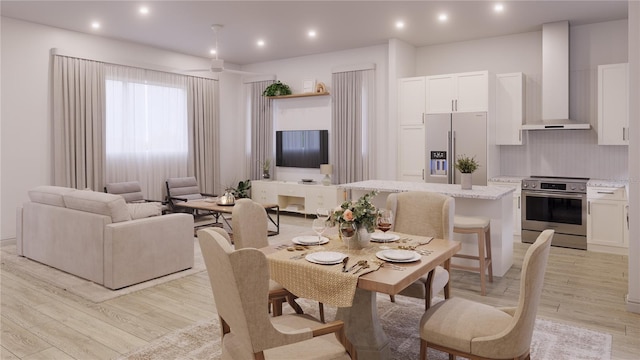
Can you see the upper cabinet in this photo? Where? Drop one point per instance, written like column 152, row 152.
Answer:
column 412, row 100
column 462, row 92
column 613, row 104
column 509, row 110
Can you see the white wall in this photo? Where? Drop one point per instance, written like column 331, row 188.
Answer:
column 315, row 112
column 26, row 125
column 558, row 153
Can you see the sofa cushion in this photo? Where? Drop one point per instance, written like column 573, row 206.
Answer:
column 144, row 210
column 95, row 202
column 50, row 195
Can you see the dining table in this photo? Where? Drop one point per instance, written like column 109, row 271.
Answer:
column 297, row 267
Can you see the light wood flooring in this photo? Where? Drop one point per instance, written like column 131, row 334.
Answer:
column 39, row 321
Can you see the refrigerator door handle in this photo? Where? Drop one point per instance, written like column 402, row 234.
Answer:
column 449, row 167
column 453, row 158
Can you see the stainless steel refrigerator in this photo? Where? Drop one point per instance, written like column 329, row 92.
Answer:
column 449, row 136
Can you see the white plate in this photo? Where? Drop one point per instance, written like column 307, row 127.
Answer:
column 398, row 254
column 325, row 257
column 382, row 255
column 309, row 240
column 384, row 237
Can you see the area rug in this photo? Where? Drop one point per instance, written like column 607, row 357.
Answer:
column 551, row 340
column 93, row 292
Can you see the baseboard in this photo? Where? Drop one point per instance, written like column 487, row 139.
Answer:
column 6, row 242
column 633, row 305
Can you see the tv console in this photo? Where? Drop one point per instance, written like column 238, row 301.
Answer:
column 296, row 197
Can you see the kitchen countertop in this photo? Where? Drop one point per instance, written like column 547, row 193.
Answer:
column 608, row 183
column 453, row 190
column 508, row 179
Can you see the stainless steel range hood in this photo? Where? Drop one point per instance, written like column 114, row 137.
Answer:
column 555, row 81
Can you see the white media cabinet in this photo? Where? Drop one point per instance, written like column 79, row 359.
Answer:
column 297, row 197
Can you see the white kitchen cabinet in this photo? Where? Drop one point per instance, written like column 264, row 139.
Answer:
column 613, row 104
column 607, row 222
column 295, row 197
column 517, row 203
column 462, row 92
column 412, row 99
column 509, row 109
column 411, row 137
column 411, row 153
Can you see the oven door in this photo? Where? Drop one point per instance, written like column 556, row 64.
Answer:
column 566, row 213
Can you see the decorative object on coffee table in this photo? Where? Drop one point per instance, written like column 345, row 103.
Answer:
column 466, row 165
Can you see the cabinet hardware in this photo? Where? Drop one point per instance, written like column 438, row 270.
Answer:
column 423, row 118
column 606, row 192
column 588, row 207
column 452, row 105
column 623, row 133
column 519, row 197
column 422, row 174
column 456, row 105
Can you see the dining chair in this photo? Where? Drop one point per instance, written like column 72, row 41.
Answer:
column 240, row 283
column 424, row 214
column 474, row 330
column 250, row 230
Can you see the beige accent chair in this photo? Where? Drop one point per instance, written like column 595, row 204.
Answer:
column 183, row 189
column 478, row 331
column 240, row 284
column 249, row 221
column 424, row 214
column 131, row 191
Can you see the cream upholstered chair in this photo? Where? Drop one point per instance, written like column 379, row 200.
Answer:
column 478, row 331
column 250, row 230
column 424, row 214
column 240, row 284
column 131, row 191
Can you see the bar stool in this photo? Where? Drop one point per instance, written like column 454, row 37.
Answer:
column 481, row 226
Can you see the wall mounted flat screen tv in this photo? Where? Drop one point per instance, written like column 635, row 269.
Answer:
column 302, row 148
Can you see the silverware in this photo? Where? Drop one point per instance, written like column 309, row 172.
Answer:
column 344, row 264
column 364, row 266
column 361, row 262
column 298, row 257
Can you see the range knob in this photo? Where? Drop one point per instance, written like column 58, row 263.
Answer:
column 573, row 187
column 525, row 185
column 533, row 185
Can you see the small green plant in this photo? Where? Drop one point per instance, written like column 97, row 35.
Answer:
column 242, row 190
column 277, row 89
column 266, row 164
column 466, row 165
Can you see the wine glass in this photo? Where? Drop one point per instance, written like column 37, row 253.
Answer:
column 323, row 213
column 348, row 231
column 319, row 226
column 385, row 220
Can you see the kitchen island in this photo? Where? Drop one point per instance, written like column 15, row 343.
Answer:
column 494, row 202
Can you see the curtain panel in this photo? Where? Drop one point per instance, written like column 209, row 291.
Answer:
column 261, row 124
column 78, row 123
column 353, row 126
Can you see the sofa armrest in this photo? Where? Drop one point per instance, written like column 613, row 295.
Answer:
column 144, row 249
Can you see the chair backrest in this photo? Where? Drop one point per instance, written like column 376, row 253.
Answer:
column 184, row 187
column 515, row 340
column 240, row 283
column 129, row 190
column 250, row 227
column 422, row 213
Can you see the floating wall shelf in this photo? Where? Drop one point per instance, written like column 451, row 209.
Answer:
column 298, row 95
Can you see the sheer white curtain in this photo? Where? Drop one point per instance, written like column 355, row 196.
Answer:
column 147, row 132
column 261, row 122
column 353, row 125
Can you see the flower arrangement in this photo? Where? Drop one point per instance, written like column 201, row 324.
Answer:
column 466, row 165
column 362, row 212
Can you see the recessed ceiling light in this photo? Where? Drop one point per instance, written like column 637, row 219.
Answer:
column 95, row 25
column 212, row 51
column 443, row 17
column 260, row 43
column 399, row 24
column 498, row 8
column 312, row 33
column 143, row 10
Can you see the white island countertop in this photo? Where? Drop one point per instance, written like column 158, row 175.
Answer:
column 453, row 190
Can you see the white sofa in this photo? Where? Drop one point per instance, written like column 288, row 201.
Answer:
column 92, row 235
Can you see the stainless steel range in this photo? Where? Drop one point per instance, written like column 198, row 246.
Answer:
column 556, row 203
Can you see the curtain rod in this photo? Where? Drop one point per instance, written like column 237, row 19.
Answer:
column 357, row 67
column 155, row 67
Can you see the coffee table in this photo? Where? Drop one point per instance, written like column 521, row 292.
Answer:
column 228, row 209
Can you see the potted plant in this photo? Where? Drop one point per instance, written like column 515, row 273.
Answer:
column 466, row 165
column 277, row 89
column 242, row 190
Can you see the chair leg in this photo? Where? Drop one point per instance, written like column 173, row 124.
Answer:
column 481, row 258
column 427, row 290
column 423, row 349
column 292, row 302
column 447, row 287
column 489, row 259
column 277, row 306
column 321, row 309
column 392, row 298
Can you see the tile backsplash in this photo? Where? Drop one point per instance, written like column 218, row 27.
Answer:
column 570, row 153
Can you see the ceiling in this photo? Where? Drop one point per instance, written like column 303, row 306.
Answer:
column 185, row 26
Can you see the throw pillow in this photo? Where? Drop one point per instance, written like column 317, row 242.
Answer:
column 144, row 210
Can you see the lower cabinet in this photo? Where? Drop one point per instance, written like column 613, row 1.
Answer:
column 296, row 197
column 517, row 203
column 607, row 220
